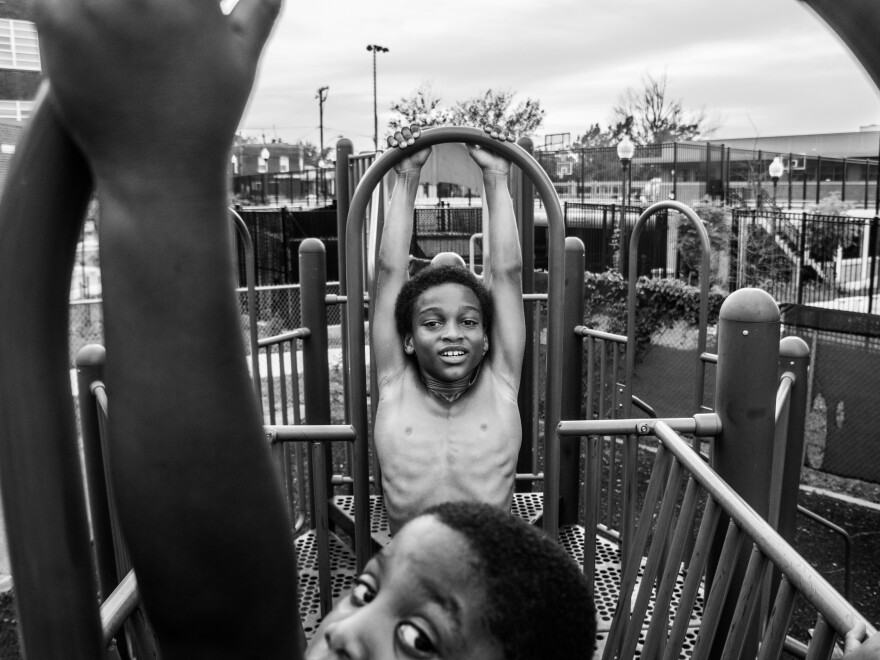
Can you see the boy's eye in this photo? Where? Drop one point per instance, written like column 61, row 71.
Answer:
column 470, row 323
column 415, row 641
column 363, row 591
column 431, row 324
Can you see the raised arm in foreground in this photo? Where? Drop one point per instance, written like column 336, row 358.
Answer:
column 152, row 91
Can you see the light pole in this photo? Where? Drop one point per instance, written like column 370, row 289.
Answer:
column 776, row 169
column 322, row 96
column 374, row 48
column 625, row 151
column 263, row 166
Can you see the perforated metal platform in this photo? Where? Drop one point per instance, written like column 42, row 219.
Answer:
column 528, row 506
column 606, row 588
column 342, row 574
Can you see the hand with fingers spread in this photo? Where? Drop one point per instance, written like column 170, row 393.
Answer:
column 126, row 94
column 404, row 138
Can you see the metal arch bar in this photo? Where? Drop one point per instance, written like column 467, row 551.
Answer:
column 691, row 215
column 41, row 215
column 355, row 277
column 250, row 277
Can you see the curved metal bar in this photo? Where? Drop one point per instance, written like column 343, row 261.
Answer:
column 250, row 276
column 691, row 215
column 355, row 276
column 41, row 216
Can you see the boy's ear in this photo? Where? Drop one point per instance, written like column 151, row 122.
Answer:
column 408, row 346
column 485, row 344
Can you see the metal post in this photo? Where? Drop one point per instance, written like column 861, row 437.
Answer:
column 801, row 251
column 843, row 183
column 804, row 192
column 746, row 378
column 322, row 96
column 873, row 253
column 316, row 390
column 818, row 177
column 524, row 197
column 572, row 372
column 344, row 149
column 675, row 170
column 90, row 362
column 789, row 180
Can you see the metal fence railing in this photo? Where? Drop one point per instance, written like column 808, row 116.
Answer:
column 690, row 172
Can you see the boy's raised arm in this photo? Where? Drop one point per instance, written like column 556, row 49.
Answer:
column 152, row 91
column 503, row 276
column 392, row 263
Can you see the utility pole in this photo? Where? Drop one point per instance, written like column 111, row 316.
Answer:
column 322, row 96
column 375, row 49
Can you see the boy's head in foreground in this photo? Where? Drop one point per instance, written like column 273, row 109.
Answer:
column 463, row 581
column 444, row 315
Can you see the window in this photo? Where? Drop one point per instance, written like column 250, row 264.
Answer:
column 283, row 164
column 19, row 48
column 17, row 110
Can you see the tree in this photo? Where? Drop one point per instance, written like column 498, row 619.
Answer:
column 311, row 154
column 424, row 107
column 649, row 116
column 496, row 107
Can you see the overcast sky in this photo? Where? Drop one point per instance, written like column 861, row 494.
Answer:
column 763, row 67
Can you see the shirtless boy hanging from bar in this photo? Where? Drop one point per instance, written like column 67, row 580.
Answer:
column 448, row 350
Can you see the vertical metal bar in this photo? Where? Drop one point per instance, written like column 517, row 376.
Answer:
column 90, row 362
column 344, row 150
column 742, row 641
column 873, row 253
column 801, row 252
column 720, row 581
column 250, row 281
column 843, row 183
column 818, row 177
column 804, row 192
column 692, row 582
column 777, row 627
column 592, row 489
column 790, row 168
column 525, row 207
column 794, row 357
column 572, row 371
column 675, row 170
column 270, row 382
column 313, row 287
column 822, row 641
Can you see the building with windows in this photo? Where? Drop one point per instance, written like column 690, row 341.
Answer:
column 20, row 75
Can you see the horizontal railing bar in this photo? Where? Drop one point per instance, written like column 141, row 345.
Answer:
column 529, row 476
column 310, row 433
column 298, row 333
column 711, row 358
column 703, row 424
column 584, row 331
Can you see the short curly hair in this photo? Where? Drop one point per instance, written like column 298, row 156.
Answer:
column 539, row 603
column 432, row 276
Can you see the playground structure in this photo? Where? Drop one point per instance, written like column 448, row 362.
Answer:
column 42, row 481
column 672, row 592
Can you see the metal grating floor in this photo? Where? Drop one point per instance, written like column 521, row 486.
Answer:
column 528, row 506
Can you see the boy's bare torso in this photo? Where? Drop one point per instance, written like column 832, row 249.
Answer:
column 432, row 450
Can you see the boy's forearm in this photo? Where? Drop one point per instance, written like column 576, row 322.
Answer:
column 397, row 232
column 183, row 411
column 504, row 246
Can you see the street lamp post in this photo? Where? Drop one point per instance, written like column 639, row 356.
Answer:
column 263, row 166
column 374, row 48
column 776, row 169
column 322, row 96
column 625, row 151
